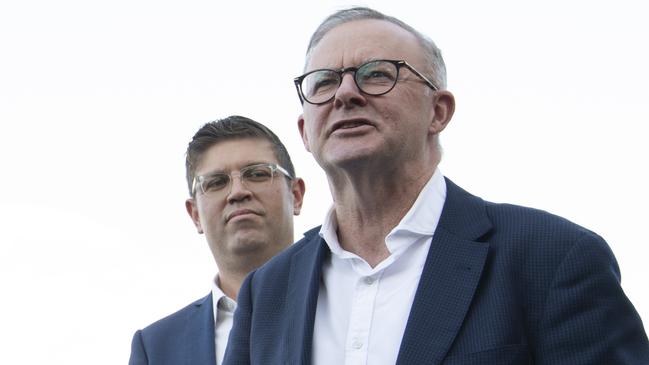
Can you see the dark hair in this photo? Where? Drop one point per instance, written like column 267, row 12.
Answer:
column 232, row 127
column 433, row 55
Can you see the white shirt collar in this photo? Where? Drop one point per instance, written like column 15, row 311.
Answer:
column 223, row 309
column 421, row 219
column 220, row 300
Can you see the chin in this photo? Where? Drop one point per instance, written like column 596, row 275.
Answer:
column 248, row 243
column 352, row 161
column 343, row 153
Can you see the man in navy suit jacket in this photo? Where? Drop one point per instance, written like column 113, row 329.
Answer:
column 408, row 268
column 244, row 194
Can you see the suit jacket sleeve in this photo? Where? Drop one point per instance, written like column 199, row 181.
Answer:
column 138, row 354
column 587, row 318
column 238, row 350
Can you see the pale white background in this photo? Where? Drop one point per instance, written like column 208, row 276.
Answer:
column 98, row 100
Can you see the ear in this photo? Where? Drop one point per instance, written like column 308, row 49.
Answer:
column 305, row 138
column 443, row 109
column 297, row 189
column 192, row 210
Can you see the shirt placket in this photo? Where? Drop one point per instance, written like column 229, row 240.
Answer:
column 360, row 321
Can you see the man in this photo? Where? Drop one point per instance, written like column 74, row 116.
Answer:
column 407, row 267
column 244, row 194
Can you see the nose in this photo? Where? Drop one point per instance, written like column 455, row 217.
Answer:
column 348, row 95
column 238, row 191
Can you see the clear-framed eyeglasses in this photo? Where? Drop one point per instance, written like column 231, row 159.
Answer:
column 254, row 177
column 376, row 77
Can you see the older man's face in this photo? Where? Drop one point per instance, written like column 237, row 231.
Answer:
column 354, row 127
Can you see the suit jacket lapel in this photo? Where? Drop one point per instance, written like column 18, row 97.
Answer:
column 199, row 334
column 449, row 279
column 302, row 297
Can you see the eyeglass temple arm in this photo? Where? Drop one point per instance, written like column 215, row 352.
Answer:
column 428, row 82
column 297, row 82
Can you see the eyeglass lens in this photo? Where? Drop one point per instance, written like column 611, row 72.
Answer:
column 252, row 177
column 374, row 78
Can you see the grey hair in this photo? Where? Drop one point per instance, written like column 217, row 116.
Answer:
column 432, row 54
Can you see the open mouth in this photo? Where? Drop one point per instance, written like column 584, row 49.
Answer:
column 349, row 125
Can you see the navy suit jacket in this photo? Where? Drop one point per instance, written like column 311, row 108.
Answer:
column 502, row 284
column 183, row 338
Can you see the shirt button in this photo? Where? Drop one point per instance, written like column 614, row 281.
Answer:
column 357, row 344
column 369, row 280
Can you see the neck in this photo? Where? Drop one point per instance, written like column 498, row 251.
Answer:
column 233, row 269
column 229, row 283
column 368, row 206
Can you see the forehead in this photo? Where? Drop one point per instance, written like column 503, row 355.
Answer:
column 355, row 42
column 234, row 154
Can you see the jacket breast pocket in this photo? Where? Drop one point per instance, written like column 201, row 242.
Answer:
column 508, row 355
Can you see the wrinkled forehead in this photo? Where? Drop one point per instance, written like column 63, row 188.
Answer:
column 355, row 42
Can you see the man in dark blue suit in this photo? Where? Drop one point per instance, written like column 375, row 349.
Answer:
column 243, row 195
column 408, row 268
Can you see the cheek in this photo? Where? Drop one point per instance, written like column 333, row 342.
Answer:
column 279, row 205
column 285, row 215
column 309, row 137
column 391, row 115
column 211, row 217
column 395, row 114
column 314, row 121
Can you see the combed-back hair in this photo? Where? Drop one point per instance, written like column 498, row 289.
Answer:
column 436, row 69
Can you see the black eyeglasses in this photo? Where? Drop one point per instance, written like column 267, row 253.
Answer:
column 373, row 78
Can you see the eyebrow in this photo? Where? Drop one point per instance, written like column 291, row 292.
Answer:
column 217, row 172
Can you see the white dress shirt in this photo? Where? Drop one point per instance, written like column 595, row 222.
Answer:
column 223, row 308
column 362, row 311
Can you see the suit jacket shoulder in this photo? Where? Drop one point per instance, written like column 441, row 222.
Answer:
column 184, row 337
column 549, row 288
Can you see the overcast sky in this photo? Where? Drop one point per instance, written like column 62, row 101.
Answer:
column 98, row 101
